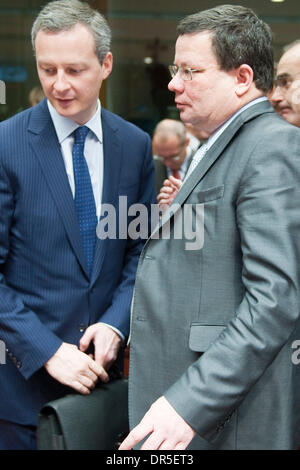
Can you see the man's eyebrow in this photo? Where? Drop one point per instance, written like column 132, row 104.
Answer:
column 69, row 64
column 283, row 76
column 76, row 64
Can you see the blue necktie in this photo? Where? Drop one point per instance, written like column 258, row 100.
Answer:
column 84, row 197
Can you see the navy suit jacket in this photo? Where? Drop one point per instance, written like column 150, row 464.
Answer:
column 46, row 295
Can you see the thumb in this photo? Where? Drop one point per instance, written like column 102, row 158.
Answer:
column 86, row 339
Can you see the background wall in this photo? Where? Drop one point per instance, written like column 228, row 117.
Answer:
column 144, row 34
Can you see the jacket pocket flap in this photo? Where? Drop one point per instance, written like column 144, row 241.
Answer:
column 211, row 194
column 201, row 336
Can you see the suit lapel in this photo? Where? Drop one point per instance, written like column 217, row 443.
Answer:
column 46, row 148
column 210, row 157
column 112, row 166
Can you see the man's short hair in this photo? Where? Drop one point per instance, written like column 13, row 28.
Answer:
column 62, row 15
column 238, row 37
column 170, row 127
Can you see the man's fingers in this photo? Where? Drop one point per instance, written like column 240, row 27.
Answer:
column 86, row 382
column 180, row 446
column 167, row 445
column 79, row 387
column 86, row 339
column 175, row 182
column 99, row 371
column 90, row 373
column 164, row 194
column 137, row 434
column 163, row 207
column 154, row 441
column 166, row 427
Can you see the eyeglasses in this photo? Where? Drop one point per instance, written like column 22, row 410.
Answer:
column 172, row 157
column 186, row 73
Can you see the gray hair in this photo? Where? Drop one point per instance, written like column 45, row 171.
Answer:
column 168, row 127
column 62, row 15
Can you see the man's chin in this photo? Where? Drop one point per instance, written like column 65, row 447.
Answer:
column 66, row 110
column 295, row 121
column 290, row 116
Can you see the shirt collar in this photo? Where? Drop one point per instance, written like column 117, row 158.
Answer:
column 221, row 129
column 186, row 160
column 64, row 127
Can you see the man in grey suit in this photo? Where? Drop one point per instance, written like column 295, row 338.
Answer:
column 224, row 321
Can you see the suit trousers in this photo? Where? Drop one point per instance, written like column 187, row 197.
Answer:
column 17, row 437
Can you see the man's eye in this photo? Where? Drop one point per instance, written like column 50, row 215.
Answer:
column 185, row 72
column 283, row 82
column 75, row 71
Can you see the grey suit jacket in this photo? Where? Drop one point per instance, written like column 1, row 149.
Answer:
column 216, row 338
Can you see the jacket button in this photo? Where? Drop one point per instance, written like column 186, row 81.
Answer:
column 81, row 328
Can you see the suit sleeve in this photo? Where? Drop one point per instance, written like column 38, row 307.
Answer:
column 268, row 221
column 28, row 342
column 118, row 314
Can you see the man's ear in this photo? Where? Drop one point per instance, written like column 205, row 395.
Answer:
column 244, row 79
column 107, row 65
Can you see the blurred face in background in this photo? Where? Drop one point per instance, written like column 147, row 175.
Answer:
column 170, row 150
column 286, row 95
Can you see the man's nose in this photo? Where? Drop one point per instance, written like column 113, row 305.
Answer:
column 176, row 84
column 277, row 95
column 61, row 83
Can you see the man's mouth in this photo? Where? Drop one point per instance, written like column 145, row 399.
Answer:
column 63, row 101
column 283, row 109
column 180, row 105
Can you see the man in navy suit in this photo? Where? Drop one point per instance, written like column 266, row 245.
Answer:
column 60, row 292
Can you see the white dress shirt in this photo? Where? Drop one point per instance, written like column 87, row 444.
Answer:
column 93, row 149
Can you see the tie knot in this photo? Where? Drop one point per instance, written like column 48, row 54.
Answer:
column 80, row 134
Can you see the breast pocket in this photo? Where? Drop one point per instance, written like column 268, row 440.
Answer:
column 206, row 195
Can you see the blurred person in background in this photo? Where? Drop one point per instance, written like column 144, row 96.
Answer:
column 171, row 151
column 286, row 95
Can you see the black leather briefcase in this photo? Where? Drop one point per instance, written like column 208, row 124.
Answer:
column 98, row 421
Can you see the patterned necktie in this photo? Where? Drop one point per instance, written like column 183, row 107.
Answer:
column 84, row 198
column 196, row 159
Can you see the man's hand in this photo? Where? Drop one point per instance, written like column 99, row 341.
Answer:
column 74, row 368
column 106, row 343
column 168, row 192
column 167, row 429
